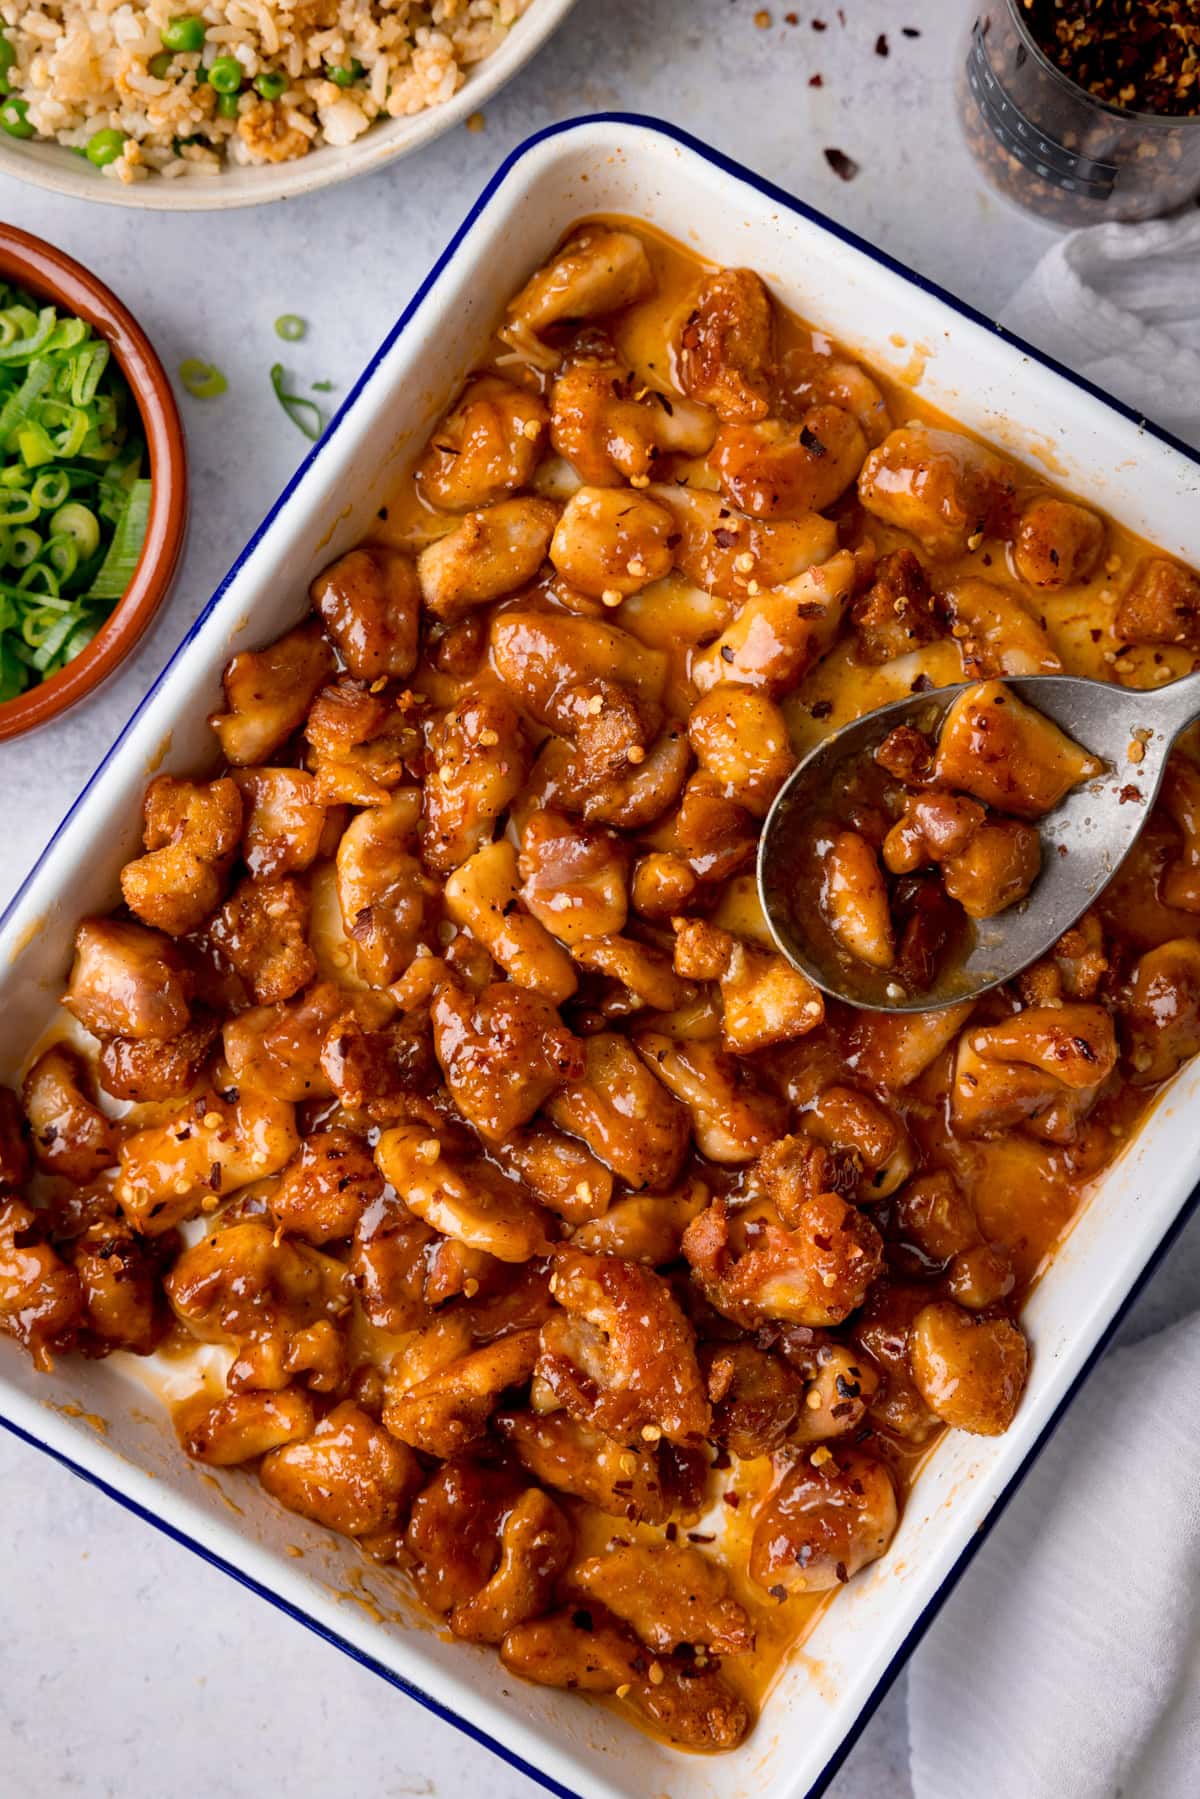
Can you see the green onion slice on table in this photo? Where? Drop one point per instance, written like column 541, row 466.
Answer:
column 74, row 501
column 304, row 413
column 203, row 380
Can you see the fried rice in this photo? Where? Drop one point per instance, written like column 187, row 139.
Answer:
column 84, row 66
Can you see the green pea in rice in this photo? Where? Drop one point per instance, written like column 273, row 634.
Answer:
column 82, row 66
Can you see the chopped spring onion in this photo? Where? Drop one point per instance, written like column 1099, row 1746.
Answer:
column 290, row 327
column 74, row 505
column 203, row 380
column 305, row 414
column 322, row 387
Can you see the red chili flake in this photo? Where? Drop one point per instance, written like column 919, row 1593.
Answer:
column 808, row 437
column 821, row 708
column 701, row 1536
column 732, row 1499
column 909, row 31
column 843, row 166
column 881, row 44
column 671, row 1532
column 922, row 684
column 723, row 538
column 815, row 81
column 819, row 25
column 791, row 18
column 1126, row 795
column 777, row 1592
column 809, row 609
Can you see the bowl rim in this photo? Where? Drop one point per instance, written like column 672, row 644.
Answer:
column 45, row 164
column 31, row 262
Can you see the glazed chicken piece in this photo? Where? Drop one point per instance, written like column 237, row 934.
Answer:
column 610, row 543
column 779, row 635
column 369, row 601
column 1180, row 800
column 326, row 1187
column 970, row 1371
column 243, row 1426
column 757, row 1399
column 764, row 1000
column 943, row 488
column 573, row 877
column 15, row 1159
column 586, row 1649
column 624, row 1114
column 839, row 1382
column 277, row 1049
column 447, row 1409
column 269, row 691
column 1057, row 543
column 815, row 1271
column 245, row 1280
column 613, row 428
column 893, row 1049
column 726, row 351
column 174, row 1171
column 262, row 933
column 854, row 900
column 483, row 897
column 740, row 738
column 783, row 469
column 722, row 550
column 41, row 1299
column 360, row 742
column 987, row 864
column 384, row 894
column 669, row 1594
column 534, row 1547
column 389, row 1264
column 349, row 1475
column 283, row 820
column 556, row 665
column 597, row 271
column 503, row 1052
column 1160, row 605
column 1161, row 1010
column 120, row 1278
column 898, row 613
column 489, row 553
column 562, row 1173
column 471, row 1201
column 812, row 377
column 644, row 1227
column 619, row 1355
column 857, row 1129
column 1026, row 1066
column 733, row 1118
column 631, row 797
column 485, row 449
column 934, row 1216
column 478, row 758
column 833, row 1514
column 995, row 633
column 994, row 746
column 642, row 973
column 645, row 1481
column 70, row 1134
column 192, row 831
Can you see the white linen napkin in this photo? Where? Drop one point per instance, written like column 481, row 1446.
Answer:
column 1066, row 1665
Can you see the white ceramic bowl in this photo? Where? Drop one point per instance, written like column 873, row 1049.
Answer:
column 50, row 165
column 1000, row 387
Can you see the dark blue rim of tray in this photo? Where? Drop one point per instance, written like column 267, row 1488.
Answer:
column 789, row 203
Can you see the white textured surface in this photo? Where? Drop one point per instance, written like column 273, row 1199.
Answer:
column 126, row 1665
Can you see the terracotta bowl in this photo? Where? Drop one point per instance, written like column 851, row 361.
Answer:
column 30, row 263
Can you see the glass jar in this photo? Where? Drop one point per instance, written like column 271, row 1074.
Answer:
column 1054, row 148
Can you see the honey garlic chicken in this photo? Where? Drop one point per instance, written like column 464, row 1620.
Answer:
column 435, row 1099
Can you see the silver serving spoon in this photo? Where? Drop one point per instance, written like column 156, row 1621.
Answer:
column 1084, row 839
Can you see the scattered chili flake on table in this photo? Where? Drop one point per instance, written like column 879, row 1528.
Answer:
column 881, row 44
column 1143, row 55
column 816, row 81
column 842, row 165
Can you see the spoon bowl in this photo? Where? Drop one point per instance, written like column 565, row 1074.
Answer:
column 1085, row 838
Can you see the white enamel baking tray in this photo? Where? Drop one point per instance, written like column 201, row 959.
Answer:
column 100, row 1419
